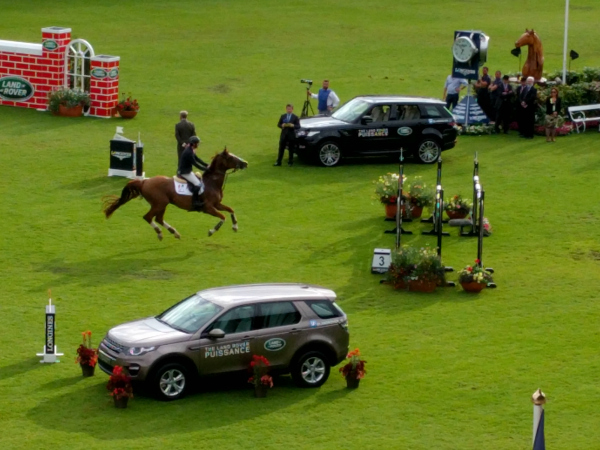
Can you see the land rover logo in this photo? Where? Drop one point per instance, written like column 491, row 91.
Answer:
column 50, row 45
column 99, row 72
column 15, row 89
column 114, row 73
column 404, row 131
column 274, row 344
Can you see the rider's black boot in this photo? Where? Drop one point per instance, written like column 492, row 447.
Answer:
column 197, row 204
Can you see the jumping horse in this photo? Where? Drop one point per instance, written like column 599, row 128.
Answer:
column 534, row 65
column 160, row 191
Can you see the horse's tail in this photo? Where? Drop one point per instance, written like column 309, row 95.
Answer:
column 131, row 190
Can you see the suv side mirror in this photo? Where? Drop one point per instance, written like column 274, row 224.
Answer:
column 217, row 333
column 366, row 120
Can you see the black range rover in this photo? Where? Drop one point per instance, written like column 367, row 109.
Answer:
column 377, row 125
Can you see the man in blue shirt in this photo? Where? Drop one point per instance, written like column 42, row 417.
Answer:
column 451, row 89
column 327, row 99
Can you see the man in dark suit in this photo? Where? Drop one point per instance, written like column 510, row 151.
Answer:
column 184, row 130
column 527, row 105
column 504, row 94
column 289, row 124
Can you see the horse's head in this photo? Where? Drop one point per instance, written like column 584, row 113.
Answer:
column 527, row 38
column 224, row 161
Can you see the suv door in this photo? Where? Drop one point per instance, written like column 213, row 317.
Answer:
column 280, row 332
column 408, row 126
column 233, row 352
column 376, row 137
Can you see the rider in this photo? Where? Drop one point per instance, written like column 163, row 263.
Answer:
column 189, row 159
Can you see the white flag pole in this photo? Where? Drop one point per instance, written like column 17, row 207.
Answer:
column 538, row 398
column 564, row 77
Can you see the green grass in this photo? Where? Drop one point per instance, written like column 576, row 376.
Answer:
column 446, row 370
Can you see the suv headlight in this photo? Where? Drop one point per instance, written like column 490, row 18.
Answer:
column 301, row 133
column 312, row 133
column 139, row 351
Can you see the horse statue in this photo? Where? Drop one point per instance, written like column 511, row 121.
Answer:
column 534, row 65
column 160, row 191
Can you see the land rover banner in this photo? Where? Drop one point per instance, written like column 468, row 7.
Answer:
column 15, row 89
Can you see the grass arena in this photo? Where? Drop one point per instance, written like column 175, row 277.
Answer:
column 446, row 370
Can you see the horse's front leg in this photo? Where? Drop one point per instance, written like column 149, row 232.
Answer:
column 213, row 212
column 222, row 207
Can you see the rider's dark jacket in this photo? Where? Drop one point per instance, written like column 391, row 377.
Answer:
column 189, row 159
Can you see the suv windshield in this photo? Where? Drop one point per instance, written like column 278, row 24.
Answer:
column 190, row 314
column 352, row 110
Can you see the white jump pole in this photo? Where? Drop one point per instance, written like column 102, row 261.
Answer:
column 564, row 77
column 538, row 398
column 49, row 355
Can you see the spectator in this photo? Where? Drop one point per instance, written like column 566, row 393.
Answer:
column 483, row 95
column 452, row 88
column 553, row 105
column 328, row 100
column 505, row 93
column 184, row 130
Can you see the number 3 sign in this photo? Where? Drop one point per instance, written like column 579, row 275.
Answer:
column 382, row 258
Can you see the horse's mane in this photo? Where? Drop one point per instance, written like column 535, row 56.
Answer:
column 212, row 166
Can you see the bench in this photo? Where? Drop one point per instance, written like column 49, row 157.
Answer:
column 578, row 117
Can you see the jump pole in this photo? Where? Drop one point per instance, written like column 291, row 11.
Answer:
column 49, row 355
column 399, row 203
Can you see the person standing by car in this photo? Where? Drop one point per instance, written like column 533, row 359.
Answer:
column 289, row 124
column 452, row 89
column 505, row 93
column 327, row 99
column 184, row 130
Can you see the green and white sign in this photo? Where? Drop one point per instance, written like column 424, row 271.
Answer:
column 99, row 72
column 15, row 89
column 50, row 44
column 274, row 344
column 114, row 73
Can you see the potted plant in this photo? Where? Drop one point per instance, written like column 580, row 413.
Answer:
column 119, row 385
column 354, row 370
column 421, row 196
column 128, row 107
column 87, row 357
column 260, row 379
column 386, row 191
column 474, row 278
column 67, row 102
column 416, row 269
column 457, row 207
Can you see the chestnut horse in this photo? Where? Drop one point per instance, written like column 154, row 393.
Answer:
column 160, row 192
column 534, row 65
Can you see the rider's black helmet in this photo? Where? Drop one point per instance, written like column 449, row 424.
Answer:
column 194, row 140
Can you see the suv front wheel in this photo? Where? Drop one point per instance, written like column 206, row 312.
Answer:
column 311, row 370
column 171, row 382
column 429, row 151
column 329, row 154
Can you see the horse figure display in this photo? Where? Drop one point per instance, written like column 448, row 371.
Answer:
column 534, row 65
column 160, row 192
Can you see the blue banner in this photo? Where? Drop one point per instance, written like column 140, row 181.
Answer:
column 539, row 442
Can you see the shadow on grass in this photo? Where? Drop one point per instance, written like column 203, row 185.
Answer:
column 61, row 383
column 98, row 187
column 90, row 410
column 20, row 368
column 112, row 268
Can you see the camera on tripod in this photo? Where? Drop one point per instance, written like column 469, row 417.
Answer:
column 309, row 82
column 307, row 107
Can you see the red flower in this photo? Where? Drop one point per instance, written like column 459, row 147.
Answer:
column 477, row 261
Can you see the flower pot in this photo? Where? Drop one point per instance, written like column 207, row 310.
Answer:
column 473, row 286
column 421, row 286
column 260, row 391
column 120, row 402
column 87, row 370
column 457, row 214
column 390, row 210
column 73, row 111
column 416, row 212
column 351, row 381
column 128, row 114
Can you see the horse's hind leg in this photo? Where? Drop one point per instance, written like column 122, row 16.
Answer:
column 222, row 207
column 160, row 219
column 148, row 218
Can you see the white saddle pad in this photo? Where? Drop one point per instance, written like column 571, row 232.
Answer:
column 182, row 188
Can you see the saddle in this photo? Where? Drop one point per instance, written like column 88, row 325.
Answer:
column 184, row 187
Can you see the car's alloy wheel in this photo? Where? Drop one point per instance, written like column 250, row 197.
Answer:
column 171, row 382
column 330, row 154
column 311, row 370
column 429, row 151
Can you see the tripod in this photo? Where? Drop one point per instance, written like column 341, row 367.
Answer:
column 307, row 106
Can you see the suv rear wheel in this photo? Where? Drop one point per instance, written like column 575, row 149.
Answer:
column 311, row 370
column 429, row 151
column 329, row 154
column 171, row 382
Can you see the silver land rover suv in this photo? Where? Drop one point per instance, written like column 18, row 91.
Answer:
column 298, row 327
